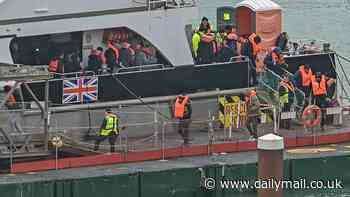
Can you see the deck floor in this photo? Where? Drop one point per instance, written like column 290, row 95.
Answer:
column 199, row 136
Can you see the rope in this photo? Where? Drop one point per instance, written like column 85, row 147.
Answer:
column 139, row 98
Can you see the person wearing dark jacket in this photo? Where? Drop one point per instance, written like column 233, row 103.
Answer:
column 253, row 110
column 112, row 56
column 275, row 61
column 250, row 49
column 94, row 62
column 226, row 53
column 127, row 55
column 205, row 52
column 183, row 112
column 72, row 63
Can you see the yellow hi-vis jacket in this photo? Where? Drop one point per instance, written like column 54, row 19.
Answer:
column 110, row 125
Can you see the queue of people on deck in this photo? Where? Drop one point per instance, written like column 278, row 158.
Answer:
column 120, row 55
column 209, row 46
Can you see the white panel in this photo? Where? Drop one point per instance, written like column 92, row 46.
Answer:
column 42, row 6
column 32, row 8
column 91, row 39
column 164, row 29
column 5, row 55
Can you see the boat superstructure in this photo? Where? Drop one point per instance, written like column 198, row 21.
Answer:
column 143, row 95
column 60, row 22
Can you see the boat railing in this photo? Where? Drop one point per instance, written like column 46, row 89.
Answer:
column 74, row 74
column 155, row 4
column 238, row 58
column 272, row 81
column 141, row 68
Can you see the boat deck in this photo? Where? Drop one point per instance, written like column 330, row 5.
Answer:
column 148, row 148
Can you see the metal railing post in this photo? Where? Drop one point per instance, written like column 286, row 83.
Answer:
column 341, row 107
column 46, row 116
column 275, row 121
column 163, row 141
column 156, row 128
column 231, row 122
column 210, row 131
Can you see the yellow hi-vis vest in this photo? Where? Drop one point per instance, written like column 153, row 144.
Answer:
column 111, row 125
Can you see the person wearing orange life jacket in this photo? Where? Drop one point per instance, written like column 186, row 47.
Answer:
column 319, row 94
column 112, row 56
column 286, row 96
column 56, row 65
column 251, row 48
column 302, row 79
column 253, row 111
column 11, row 102
column 183, row 113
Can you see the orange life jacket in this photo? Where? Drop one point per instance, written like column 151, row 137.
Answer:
column 305, row 77
column 248, row 98
column 319, row 88
column 179, row 111
column 207, row 38
column 116, row 51
column 256, row 47
column 53, row 65
column 11, row 101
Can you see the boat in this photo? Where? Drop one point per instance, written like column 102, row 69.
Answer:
column 141, row 94
column 45, row 29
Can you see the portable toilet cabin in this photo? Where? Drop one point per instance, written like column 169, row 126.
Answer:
column 263, row 17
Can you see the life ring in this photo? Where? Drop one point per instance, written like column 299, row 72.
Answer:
column 308, row 111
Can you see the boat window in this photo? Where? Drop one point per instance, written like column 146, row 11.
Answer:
column 134, row 49
column 75, row 48
column 39, row 50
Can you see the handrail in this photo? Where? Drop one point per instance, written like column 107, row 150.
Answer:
column 297, row 102
column 142, row 67
column 342, row 57
column 337, row 74
column 296, row 89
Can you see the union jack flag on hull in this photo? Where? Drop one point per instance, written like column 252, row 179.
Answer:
column 80, row 90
